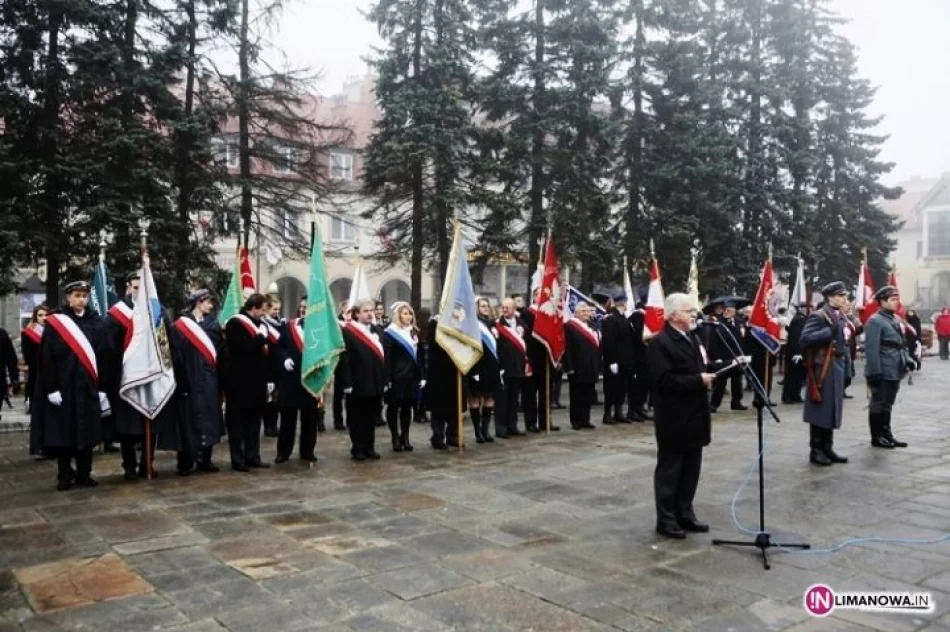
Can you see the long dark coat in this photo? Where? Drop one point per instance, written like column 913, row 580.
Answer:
column 76, row 424
column 31, row 356
column 487, row 368
column 823, row 328
column 441, row 391
column 512, row 358
column 363, row 371
column 680, row 399
column 249, row 365
column 403, row 371
column 290, row 390
column 198, row 384
column 582, row 355
column 617, row 341
column 9, row 372
column 538, row 355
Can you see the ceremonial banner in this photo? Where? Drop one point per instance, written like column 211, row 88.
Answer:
column 323, row 339
column 765, row 326
column 359, row 289
column 692, row 282
column 457, row 331
column 901, row 310
column 575, row 296
column 103, row 294
column 864, row 303
column 148, row 379
column 628, row 290
column 654, row 317
column 799, row 293
column 241, row 286
column 549, row 318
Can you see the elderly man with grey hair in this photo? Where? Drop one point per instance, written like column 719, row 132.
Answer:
column 680, row 385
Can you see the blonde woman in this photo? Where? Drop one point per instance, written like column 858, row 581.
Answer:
column 403, row 373
column 484, row 380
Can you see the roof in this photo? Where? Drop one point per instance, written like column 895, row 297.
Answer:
column 918, row 192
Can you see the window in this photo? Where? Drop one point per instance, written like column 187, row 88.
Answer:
column 341, row 166
column 342, row 230
column 226, row 151
column 289, row 223
column 285, row 159
column 938, row 233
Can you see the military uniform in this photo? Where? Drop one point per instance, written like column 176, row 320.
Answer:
column 887, row 361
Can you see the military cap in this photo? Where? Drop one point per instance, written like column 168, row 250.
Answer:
column 837, row 288
column 200, row 295
column 620, row 297
column 885, row 293
column 76, row 286
column 133, row 276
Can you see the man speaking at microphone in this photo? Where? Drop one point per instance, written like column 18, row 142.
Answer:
column 680, row 383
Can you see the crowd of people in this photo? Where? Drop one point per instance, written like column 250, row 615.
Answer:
column 244, row 377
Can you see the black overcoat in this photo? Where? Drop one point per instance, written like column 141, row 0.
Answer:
column 487, row 368
column 290, row 390
column 441, row 391
column 617, row 341
column 198, row 385
column 403, row 371
column 680, row 399
column 582, row 354
column 364, row 370
column 249, row 364
column 512, row 358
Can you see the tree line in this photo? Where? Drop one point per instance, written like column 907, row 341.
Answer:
column 113, row 111
column 725, row 125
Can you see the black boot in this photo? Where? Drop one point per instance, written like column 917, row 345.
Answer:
column 829, row 442
column 886, row 432
column 876, row 424
column 618, row 414
column 486, row 424
column 405, row 422
column 321, row 420
column 393, row 423
column 476, row 414
column 817, row 454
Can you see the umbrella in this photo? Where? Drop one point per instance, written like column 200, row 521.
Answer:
column 740, row 302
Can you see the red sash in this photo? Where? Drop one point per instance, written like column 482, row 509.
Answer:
column 32, row 334
column 77, row 342
column 273, row 335
column 123, row 315
column 249, row 326
column 589, row 334
column 512, row 336
column 197, row 336
column 296, row 334
column 370, row 341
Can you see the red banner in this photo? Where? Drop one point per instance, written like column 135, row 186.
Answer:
column 549, row 318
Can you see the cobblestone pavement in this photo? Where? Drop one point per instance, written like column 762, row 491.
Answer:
column 536, row 533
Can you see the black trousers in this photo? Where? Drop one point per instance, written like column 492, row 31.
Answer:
column 244, row 434
column 65, row 456
column 883, row 396
column 734, row 378
column 557, row 380
column 506, row 407
column 288, row 430
column 534, row 402
column 130, row 460
column 338, row 401
column 582, row 398
column 794, row 381
column 944, row 344
column 618, row 389
column 361, row 420
column 190, row 455
column 640, row 385
column 674, row 485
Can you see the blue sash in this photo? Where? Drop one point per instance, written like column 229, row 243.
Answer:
column 488, row 340
column 404, row 339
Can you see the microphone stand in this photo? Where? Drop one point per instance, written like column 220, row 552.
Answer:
column 763, row 539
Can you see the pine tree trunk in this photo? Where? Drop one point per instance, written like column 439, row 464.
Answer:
column 52, row 192
column 536, row 222
column 244, row 115
column 635, row 139
column 418, row 209
column 755, row 160
column 183, row 159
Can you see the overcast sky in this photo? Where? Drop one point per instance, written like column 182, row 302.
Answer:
column 902, row 45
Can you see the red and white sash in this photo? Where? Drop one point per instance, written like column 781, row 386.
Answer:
column 370, row 340
column 273, row 334
column 78, row 343
column 122, row 314
column 702, row 352
column 515, row 338
column 34, row 333
column 198, row 337
column 249, row 325
column 589, row 334
column 296, row 333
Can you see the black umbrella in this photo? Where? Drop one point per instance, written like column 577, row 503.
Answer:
column 738, row 301
column 603, row 293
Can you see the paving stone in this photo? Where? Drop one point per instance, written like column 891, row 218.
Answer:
column 383, row 558
column 395, row 617
column 419, row 580
column 333, row 602
column 186, row 539
column 138, row 526
column 276, row 616
column 488, row 564
column 78, row 582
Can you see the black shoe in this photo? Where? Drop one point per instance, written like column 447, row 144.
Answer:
column 847, row 396
column 587, row 426
column 86, row 481
column 882, row 442
column 183, row 472
column 406, row 446
column 358, row 457
column 280, row 459
column 834, row 457
column 109, row 448
column 208, row 468
column 339, row 426
column 397, row 445
column 309, row 459
column 534, row 429
column 259, row 466
column 479, row 438
column 641, row 414
column 897, row 444
column 555, row 428
column 270, row 432
column 439, row 445
column 608, row 421
column 818, row 457
column 674, row 533
column 739, row 406
column 694, row 526
column 321, row 427
column 501, row 436
column 714, row 409
column 373, row 455
column 557, row 406
column 131, row 475
column 63, row 486
column 240, row 468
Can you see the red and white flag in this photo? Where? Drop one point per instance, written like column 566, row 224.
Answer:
column 765, row 326
column 864, row 303
column 248, row 286
column 901, row 310
column 654, row 317
column 549, row 318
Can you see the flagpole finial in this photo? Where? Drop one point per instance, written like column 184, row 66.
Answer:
column 652, row 249
column 770, row 251
column 144, row 223
column 102, row 245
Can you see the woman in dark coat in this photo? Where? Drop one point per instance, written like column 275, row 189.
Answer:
column 484, row 379
column 403, row 373
column 914, row 337
column 30, row 344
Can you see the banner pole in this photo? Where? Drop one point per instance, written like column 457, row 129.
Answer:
column 148, row 447
column 547, row 396
column 461, row 427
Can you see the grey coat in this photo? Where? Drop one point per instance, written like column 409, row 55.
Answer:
column 821, row 329
column 884, row 348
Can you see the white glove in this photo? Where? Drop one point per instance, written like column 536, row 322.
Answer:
column 56, row 399
column 743, row 359
column 422, row 384
column 570, row 373
column 476, row 378
column 502, row 373
column 289, row 365
column 347, row 391
column 104, row 405
column 386, row 388
column 614, row 368
column 796, row 359
column 270, row 388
